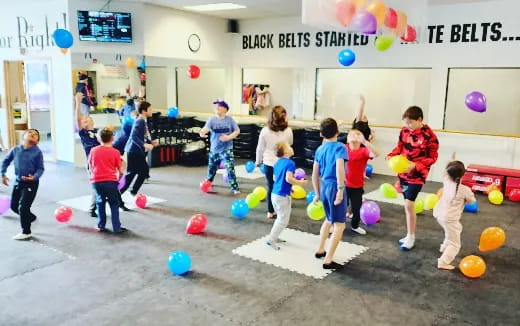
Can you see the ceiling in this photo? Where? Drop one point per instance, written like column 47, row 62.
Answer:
column 261, row 8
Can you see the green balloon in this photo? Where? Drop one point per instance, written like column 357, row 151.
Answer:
column 316, row 211
column 388, row 190
column 383, row 43
column 252, row 200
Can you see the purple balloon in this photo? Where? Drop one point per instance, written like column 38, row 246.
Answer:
column 5, row 204
column 121, row 183
column 369, row 213
column 299, row 174
column 225, row 178
column 221, row 165
column 476, row 101
column 364, row 22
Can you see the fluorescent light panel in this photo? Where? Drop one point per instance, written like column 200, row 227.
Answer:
column 215, row 7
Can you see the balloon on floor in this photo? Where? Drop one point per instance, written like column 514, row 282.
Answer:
column 252, row 200
column 179, row 262
column 239, row 208
column 388, row 191
column 250, row 166
column 471, row 208
column 63, row 214
column 141, row 200
column 205, row 186
column 197, row 224
column 5, row 204
column 430, row 201
column 496, row 197
column 261, row 192
column 370, row 213
column 472, row 266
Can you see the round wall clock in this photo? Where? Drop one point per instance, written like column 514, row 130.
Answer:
column 194, row 42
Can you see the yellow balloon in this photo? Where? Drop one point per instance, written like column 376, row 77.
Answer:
column 297, row 192
column 261, row 192
column 130, row 62
column 496, row 197
column 378, row 9
column 359, row 3
column 398, row 163
column 430, row 201
column 418, row 206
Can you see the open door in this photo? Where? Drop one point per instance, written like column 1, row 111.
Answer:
column 16, row 105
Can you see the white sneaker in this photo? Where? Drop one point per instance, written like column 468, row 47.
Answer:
column 403, row 240
column 408, row 244
column 235, row 192
column 272, row 245
column 442, row 248
column 359, row 230
column 22, row 236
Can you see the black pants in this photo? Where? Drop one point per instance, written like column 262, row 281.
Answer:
column 355, row 197
column 137, row 165
column 269, row 176
column 21, row 200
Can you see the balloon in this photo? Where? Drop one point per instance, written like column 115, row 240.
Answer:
column 222, row 165
column 197, row 224
column 388, row 190
column 250, row 166
column 397, row 186
column 64, row 51
column 368, row 170
column 472, row 266
column 418, row 206
column 378, row 9
column 402, row 23
column 496, row 197
column 370, row 213
column 63, row 38
column 491, row 238
column 239, row 208
column 398, row 163
column 297, row 192
column 141, row 200
column 391, row 18
column 142, row 65
column 299, row 174
column 225, row 177
column 359, row 3
column 383, row 43
column 310, row 197
column 193, row 71
column 63, row 214
column 121, row 183
column 490, row 188
column 110, row 127
column 514, row 195
column 476, row 101
column 364, row 22
column 130, row 62
column 345, row 11
column 5, row 204
column 346, row 57
column 262, row 168
column 205, row 186
column 430, row 201
column 316, row 211
column 261, row 192
column 439, row 193
column 410, row 34
column 173, row 112
column 471, row 208
column 179, row 262
column 252, row 200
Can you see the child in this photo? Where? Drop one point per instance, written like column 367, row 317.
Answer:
column 136, row 149
column 419, row 144
column 329, row 166
column 281, row 196
column 223, row 130
column 87, row 103
column 105, row 170
column 126, row 111
column 449, row 210
column 358, row 157
column 28, row 168
column 361, row 122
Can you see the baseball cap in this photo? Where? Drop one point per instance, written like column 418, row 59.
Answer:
column 221, row 103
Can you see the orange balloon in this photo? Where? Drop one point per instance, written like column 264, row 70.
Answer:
column 64, row 51
column 359, row 3
column 130, row 62
column 439, row 193
column 491, row 238
column 490, row 188
column 402, row 23
column 378, row 9
column 472, row 266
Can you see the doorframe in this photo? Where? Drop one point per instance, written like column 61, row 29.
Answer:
column 11, row 129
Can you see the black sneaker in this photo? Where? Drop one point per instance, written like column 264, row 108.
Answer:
column 124, row 208
column 93, row 214
column 320, row 255
column 332, row 265
column 102, row 230
column 121, row 230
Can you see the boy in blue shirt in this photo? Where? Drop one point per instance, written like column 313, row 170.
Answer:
column 28, row 168
column 329, row 166
column 281, row 194
column 223, row 130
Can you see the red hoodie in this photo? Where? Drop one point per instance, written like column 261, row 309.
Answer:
column 419, row 146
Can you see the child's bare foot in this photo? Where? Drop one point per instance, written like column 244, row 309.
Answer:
column 447, row 267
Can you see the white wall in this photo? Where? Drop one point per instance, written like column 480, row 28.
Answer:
column 156, row 90
column 199, row 94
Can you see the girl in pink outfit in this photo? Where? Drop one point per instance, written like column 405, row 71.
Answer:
column 449, row 210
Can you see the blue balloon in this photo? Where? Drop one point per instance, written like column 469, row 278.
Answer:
column 368, row 170
column 310, row 196
column 346, row 57
column 179, row 262
column 262, row 168
column 471, row 208
column 173, row 112
column 143, row 65
column 63, row 38
column 239, row 208
column 250, row 166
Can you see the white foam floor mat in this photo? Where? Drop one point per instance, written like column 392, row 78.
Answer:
column 240, row 172
column 297, row 254
column 82, row 203
column 377, row 196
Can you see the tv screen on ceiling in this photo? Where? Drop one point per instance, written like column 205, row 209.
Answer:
column 100, row 26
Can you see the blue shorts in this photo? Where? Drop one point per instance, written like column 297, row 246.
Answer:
column 334, row 213
column 410, row 190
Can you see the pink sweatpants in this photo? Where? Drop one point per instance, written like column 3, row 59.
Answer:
column 451, row 244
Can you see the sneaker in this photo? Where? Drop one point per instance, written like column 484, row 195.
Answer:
column 320, row 255
column 121, row 230
column 93, row 214
column 272, row 245
column 271, row 216
column 133, row 193
column 33, row 219
column 103, row 230
column 124, row 208
column 403, row 240
column 235, row 192
column 332, row 265
column 22, row 236
column 407, row 245
column 359, row 230
column 442, row 248
column 147, row 180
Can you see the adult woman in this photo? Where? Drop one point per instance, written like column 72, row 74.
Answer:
column 277, row 130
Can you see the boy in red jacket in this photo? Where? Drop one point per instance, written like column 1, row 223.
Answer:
column 419, row 144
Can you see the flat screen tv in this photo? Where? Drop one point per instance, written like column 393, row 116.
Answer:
column 100, row 26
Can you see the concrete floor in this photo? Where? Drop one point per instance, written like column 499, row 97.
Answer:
column 72, row 275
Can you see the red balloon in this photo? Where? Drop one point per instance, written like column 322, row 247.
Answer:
column 141, row 200
column 397, row 186
column 514, row 195
column 193, row 71
column 197, row 224
column 391, row 18
column 63, row 214
column 205, row 186
column 410, row 34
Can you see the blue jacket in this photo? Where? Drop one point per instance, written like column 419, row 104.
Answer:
column 26, row 162
column 120, row 141
column 135, row 143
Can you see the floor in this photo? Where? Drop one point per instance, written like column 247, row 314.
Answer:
column 72, row 275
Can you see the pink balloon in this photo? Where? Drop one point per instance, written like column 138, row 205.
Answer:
column 197, row 224
column 63, row 214
column 365, row 22
column 370, row 213
column 205, row 186
column 5, row 204
column 391, row 18
column 141, row 200
column 345, row 11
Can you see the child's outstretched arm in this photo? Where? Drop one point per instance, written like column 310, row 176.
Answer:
column 289, row 177
column 373, row 149
column 77, row 104
column 361, row 110
column 316, row 181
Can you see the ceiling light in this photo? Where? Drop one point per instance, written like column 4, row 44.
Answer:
column 215, row 7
